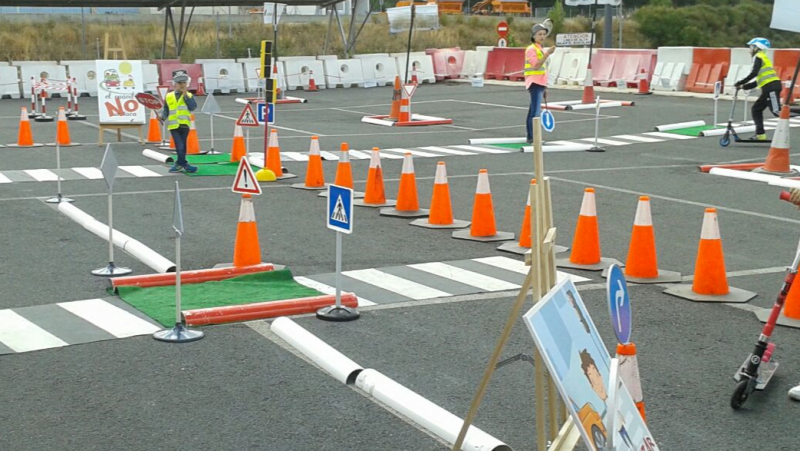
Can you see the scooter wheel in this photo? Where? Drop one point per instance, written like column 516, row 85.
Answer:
column 740, row 393
column 724, row 141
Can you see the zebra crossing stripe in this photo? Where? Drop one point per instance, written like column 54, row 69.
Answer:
column 360, row 155
column 521, row 268
column 90, row 173
column 329, row 155
column 139, row 171
column 327, row 289
column 113, row 320
column 391, row 156
column 669, row 135
column 465, row 276
column 295, row 156
column 4, row 179
column 608, row 142
column 446, row 151
column 416, row 153
column 42, row 175
column 482, row 149
column 642, row 139
column 396, row 284
column 21, row 335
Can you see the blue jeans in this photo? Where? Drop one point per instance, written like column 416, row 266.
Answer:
column 180, row 135
column 535, row 109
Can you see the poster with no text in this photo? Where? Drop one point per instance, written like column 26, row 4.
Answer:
column 118, row 82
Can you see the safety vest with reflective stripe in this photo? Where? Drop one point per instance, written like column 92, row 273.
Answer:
column 529, row 67
column 767, row 72
column 179, row 113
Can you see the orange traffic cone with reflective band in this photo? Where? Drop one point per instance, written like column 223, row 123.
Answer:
column 312, row 84
column 344, row 171
column 644, row 85
column 710, row 280
column 247, row 250
column 192, row 142
column 642, row 263
column 483, row 226
column 407, row 199
column 315, row 178
column 62, row 131
column 629, row 373
column 239, row 149
column 25, row 135
column 525, row 241
column 791, row 308
column 588, row 87
column 154, row 129
column 778, row 157
column 586, row 241
column 441, row 213
column 394, row 114
column 375, row 194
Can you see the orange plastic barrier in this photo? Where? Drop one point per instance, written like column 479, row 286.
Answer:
column 609, row 66
column 447, row 63
column 709, row 66
column 510, row 7
column 785, row 61
column 505, row 64
column 451, row 7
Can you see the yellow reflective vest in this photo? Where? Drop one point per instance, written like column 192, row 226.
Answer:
column 179, row 113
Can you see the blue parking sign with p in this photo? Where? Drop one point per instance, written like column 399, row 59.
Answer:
column 262, row 108
column 548, row 121
column 340, row 209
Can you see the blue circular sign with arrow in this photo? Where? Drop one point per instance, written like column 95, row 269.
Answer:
column 548, row 121
column 619, row 304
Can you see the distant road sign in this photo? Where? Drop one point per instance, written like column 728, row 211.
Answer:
column 245, row 181
column 570, row 39
column 340, row 209
column 502, row 29
column 262, row 107
column 247, row 118
column 619, row 304
column 109, row 166
column 548, row 121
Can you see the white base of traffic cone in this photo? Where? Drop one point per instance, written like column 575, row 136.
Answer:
column 393, row 212
column 388, row 203
column 64, row 145
column 356, row 194
column 734, row 296
column 310, row 188
column 467, row 235
column 604, row 263
column 25, row 147
column 457, row 224
column 515, row 248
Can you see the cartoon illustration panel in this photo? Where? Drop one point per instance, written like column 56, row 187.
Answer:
column 118, row 83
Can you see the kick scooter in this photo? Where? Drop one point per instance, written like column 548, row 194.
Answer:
column 730, row 131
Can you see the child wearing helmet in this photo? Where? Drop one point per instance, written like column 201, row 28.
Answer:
column 536, row 71
column 765, row 78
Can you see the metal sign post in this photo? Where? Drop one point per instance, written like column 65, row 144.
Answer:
column 596, row 147
column 180, row 333
column 211, row 107
column 163, row 90
column 339, row 218
column 109, row 169
column 717, row 91
column 59, row 198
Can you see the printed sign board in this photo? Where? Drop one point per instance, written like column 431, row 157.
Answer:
column 118, row 82
column 572, row 39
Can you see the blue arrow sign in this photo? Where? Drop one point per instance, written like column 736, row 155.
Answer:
column 548, row 121
column 340, row 209
column 619, row 304
column 261, row 108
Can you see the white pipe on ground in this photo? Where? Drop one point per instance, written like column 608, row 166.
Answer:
column 679, row 125
column 721, row 131
column 561, row 148
column 158, row 156
column 744, row 175
column 497, row 141
column 430, row 416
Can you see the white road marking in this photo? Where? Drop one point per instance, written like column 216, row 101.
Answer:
column 416, row 153
column 464, row 276
column 110, row 318
column 42, row 175
column 482, row 149
column 4, row 179
column 396, row 284
column 446, row 151
column 642, row 139
column 21, row 335
column 90, row 173
column 669, row 135
column 139, row 171
column 606, row 141
column 520, row 267
column 327, row 289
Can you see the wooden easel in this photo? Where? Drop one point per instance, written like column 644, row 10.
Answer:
column 119, row 128
column 552, row 423
column 115, row 52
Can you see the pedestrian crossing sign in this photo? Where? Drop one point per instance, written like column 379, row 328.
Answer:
column 340, row 209
column 247, row 118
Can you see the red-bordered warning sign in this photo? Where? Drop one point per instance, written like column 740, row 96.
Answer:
column 245, row 181
column 247, row 118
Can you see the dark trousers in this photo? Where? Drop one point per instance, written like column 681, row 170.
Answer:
column 535, row 109
column 180, row 135
column 770, row 98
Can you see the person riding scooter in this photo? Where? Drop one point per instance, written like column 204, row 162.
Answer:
column 767, row 80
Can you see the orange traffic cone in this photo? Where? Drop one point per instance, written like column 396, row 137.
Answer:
column 414, row 78
column 407, row 199
column 586, row 242
column 629, row 373
column 644, row 85
column 154, row 129
column 273, row 162
column 441, row 213
column 642, row 263
column 315, row 178
column 483, row 226
column 791, row 308
column 405, row 107
column 312, row 84
column 375, row 194
column 588, row 87
column 344, row 171
column 525, row 241
column 25, row 136
column 710, row 280
column 62, row 131
column 192, row 142
column 394, row 114
column 201, row 87
column 239, row 149
column 778, row 157
column 247, row 251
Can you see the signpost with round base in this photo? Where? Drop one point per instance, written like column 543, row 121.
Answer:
column 339, row 210
column 338, row 313
column 112, row 270
column 178, row 334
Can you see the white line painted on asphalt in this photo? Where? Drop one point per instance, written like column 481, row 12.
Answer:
column 461, row 128
column 446, row 151
column 110, row 318
column 670, row 135
column 90, row 173
column 395, row 284
column 42, row 175
column 638, row 138
column 464, row 276
column 520, row 267
column 390, row 156
column 327, row 289
column 295, row 156
column 4, row 179
column 606, row 141
column 329, row 155
column 416, row 153
column 481, row 149
column 140, row 171
column 360, row 155
column 21, row 335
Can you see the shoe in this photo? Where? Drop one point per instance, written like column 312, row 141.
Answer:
column 175, row 168
column 794, row 393
column 529, row 140
column 190, row 169
column 758, row 137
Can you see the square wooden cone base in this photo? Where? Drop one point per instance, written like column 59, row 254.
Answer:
column 64, row 145
column 783, row 320
column 421, row 213
column 457, row 224
column 663, row 277
column 25, row 147
column 604, row 263
column 499, row 236
column 734, row 296
column 356, row 194
column 515, row 248
column 388, row 203
column 310, row 188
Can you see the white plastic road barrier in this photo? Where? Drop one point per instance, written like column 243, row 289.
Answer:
column 673, row 65
column 224, row 76
column 327, row 57
column 573, row 67
column 85, row 75
column 344, row 73
column 151, row 80
column 430, row 416
column 378, row 70
column 744, row 175
column 786, row 183
column 158, row 156
column 49, row 70
column 721, row 131
column 419, row 60
column 372, row 55
column 554, row 63
column 9, row 83
column 679, row 125
column 133, row 247
column 299, row 71
column 334, row 362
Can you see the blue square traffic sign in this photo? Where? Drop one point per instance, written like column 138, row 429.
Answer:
column 262, row 108
column 340, row 209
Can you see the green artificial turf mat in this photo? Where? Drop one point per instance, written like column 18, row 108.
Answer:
column 206, row 159
column 691, row 131
column 217, row 169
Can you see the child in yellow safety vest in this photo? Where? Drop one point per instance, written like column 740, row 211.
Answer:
column 767, row 80
column 536, row 72
column 178, row 107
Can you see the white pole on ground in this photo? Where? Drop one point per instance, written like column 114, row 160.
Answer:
column 338, row 269
column 109, row 168
column 177, row 276
column 596, row 147
column 59, row 197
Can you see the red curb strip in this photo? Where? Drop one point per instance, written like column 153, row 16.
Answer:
column 740, row 167
column 262, row 310
column 188, row 277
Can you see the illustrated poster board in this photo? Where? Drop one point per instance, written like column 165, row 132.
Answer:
column 118, row 82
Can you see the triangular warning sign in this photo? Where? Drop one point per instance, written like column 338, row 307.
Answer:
column 247, row 118
column 211, row 106
column 339, row 215
column 410, row 88
column 245, row 181
column 162, row 91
